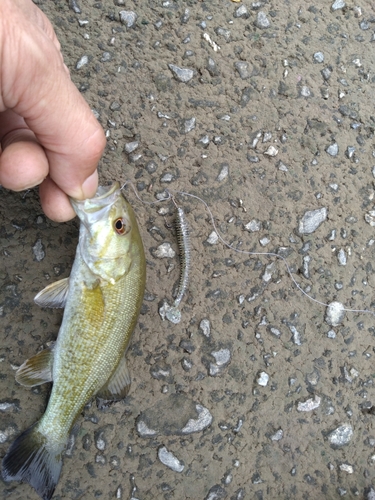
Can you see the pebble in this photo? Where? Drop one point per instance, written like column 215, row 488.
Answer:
column 224, row 33
column 297, row 338
column 309, row 405
column 311, row 220
column 253, row 226
column 263, row 379
column 181, row 74
column 338, row 4
column 224, row 172
column 82, row 62
column 335, row 313
column 264, row 241
column 167, row 458
column 341, row 257
column 333, row 149
column 279, row 434
column 213, row 238
column 131, row 146
column 164, row 251
column 262, row 21
column 370, row 216
column 6, row 434
column 205, row 327
column 319, row 57
column 196, row 425
column 216, row 493
column 271, row 151
column 187, row 125
column 346, row 468
column 128, row 17
column 341, row 435
column 241, row 12
column 38, row 250
column 243, row 69
column 222, row 358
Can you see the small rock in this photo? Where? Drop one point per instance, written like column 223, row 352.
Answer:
column 241, row 12
column 164, row 251
column 205, row 327
column 82, row 62
column 333, row 149
column 311, row 220
column 341, row 435
column 278, row 435
column 305, row 91
column 131, row 146
column 319, row 57
column 262, row 21
column 128, row 17
column 271, row 151
column 346, row 468
column 341, row 257
column 213, row 238
column 263, row 379
column 223, row 173
column 222, row 358
column 187, row 125
column 338, row 4
column 167, row 458
column 253, row 226
column 38, row 250
column 243, row 69
column 309, row 404
column 326, row 73
column 216, row 493
column 181, row 74
column 335, row 313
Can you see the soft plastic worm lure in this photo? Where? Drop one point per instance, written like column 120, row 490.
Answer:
column 183, row 240
column 171, row 312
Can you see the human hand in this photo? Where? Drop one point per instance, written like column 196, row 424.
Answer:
column 48, row 133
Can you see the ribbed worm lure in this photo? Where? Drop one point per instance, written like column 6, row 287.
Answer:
column 172, row 312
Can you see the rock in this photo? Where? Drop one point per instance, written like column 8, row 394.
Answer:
column 309, row 405
column 333, row 149
column 181, row 74
column 262, row 21
column 335, row 313
column 167, row 458
column 128, row 17
column 341, row 435
column 311, row 220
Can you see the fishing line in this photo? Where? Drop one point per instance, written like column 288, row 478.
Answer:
column 171, row 196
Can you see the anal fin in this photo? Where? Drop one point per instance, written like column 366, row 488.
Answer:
column 118, row 385
column 53, row 295
column 37, row 370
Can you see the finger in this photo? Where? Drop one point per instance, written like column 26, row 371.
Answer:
column 23, row 163
column 51, row 105
column 55, row 203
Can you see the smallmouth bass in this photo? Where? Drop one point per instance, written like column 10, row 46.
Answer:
column 102, row 299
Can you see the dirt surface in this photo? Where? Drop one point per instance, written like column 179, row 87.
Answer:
column 263, row 399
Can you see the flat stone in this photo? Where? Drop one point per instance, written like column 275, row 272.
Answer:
column 311, row 220
column 333, row 149
column 262, row 21
column 341, row 435
column 167, row 458
column 128, row 18
column 183, row 75
column 338, row 4
column 309, row 405
column 173, row 415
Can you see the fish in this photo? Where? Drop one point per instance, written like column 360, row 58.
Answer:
column 102, row 299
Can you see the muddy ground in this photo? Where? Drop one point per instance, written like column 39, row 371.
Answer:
column 265, row 398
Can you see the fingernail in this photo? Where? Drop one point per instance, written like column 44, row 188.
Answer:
column 90, row 185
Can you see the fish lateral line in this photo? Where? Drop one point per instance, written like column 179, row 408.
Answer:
column 171, row 197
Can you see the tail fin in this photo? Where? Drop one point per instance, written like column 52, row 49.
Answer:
column 33, row 459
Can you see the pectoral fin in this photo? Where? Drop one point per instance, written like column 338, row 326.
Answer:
column 54, row 295
column 119, row 384
column 38, row 369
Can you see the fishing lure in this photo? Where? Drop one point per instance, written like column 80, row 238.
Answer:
column 172, row 312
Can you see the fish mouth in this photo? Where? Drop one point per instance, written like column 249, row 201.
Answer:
column 95, row 208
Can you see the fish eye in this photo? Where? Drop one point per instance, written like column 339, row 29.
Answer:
column 120, row 226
